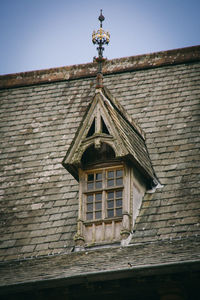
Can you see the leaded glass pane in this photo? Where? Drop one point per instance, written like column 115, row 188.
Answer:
column 90, row 177
column 111, row 174
column 90, row 207
column 110, row 182
column 119, row 181
column 119, row 194
column 98, row 197
column 98, row 184
column 119, row 212
column 110, row 213
column 110, row 204
column 89, row 216
column 90, row 186
column 119, row 203
column 119, row 173
column 98, row 205
column 98, row 176
column 110, row 195
column 97, row 214
column 90, row 198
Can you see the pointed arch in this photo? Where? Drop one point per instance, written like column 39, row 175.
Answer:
column 94, row 155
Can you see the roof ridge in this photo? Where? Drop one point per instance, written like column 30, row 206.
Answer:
column 118, row 65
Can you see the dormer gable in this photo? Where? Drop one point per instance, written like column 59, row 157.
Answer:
column 107, row 123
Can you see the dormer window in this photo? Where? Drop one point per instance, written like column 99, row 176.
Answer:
column 102, row 190
column 103, row 193
column 102, row 199
column 108, row 157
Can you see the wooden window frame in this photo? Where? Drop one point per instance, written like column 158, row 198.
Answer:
column 103, row 190
column 106, row 229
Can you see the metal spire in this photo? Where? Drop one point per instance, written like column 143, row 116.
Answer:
column 101, row 38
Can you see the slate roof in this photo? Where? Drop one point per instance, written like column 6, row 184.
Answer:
column 175, row 256
column 131, row 137
column 40, row 113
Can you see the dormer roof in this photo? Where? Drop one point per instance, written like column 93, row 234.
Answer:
column 106, row 121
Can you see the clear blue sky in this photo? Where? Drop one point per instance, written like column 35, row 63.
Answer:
column 40, row 34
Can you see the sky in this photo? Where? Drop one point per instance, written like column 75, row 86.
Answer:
column 42, row 34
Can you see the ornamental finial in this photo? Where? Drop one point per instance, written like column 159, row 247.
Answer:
column 101, row 18
column 101, row 38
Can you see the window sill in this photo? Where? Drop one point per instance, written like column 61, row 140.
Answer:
column 100, row 221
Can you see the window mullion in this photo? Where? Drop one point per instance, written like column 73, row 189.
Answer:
column 104, row 194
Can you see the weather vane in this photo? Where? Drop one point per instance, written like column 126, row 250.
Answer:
column 101, row 38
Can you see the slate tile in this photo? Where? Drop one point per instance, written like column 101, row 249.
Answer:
column 57, row 245
column 40, row 247
column 51, row 238
column 58, row 223
column 42, row 252
column 37, row 240
column 164, row 230
column 7, row 244
column 22, row 242
column 55, row 217
column 28, row 248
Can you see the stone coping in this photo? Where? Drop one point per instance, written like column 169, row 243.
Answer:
column 119, row 65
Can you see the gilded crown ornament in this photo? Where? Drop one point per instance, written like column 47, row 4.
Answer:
column 100, row 38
